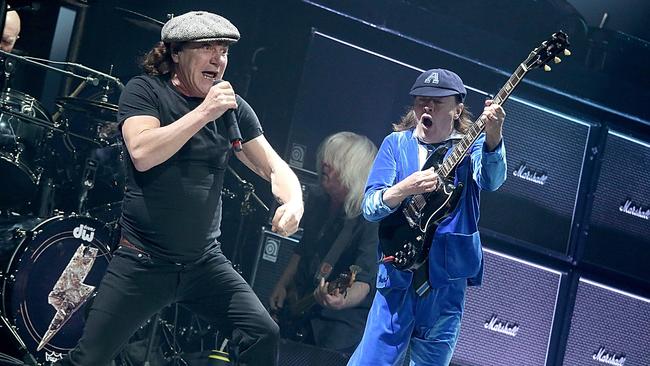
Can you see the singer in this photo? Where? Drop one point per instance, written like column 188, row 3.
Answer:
column 172, row 123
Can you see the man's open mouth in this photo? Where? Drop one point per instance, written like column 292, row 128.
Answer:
column 209, row 75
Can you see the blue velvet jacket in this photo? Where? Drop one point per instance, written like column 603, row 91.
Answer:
column 456, row 248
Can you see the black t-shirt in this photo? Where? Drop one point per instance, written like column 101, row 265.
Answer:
column 320, row 233
column 173, row 210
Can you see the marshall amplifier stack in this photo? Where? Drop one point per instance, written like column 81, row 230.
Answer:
column 608, row 327
column 546, row 154
column 508, row 320
column 619, row 230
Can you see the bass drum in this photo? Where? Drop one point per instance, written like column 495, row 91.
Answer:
column 53, row 271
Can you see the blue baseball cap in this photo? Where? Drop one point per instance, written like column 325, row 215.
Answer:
column 438, row 83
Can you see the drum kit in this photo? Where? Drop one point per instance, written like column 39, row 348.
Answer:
column 61, row 184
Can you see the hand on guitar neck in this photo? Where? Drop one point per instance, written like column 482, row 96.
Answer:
column 294, row 316
column 493, row 115
column 333, row 295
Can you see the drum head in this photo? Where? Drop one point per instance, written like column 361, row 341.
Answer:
column 51, row 275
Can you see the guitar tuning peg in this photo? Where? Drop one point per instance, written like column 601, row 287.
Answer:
column 567, row 52
column 547, row 68
column 557, row 60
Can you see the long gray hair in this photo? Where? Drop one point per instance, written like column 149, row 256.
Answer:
column 352, row 156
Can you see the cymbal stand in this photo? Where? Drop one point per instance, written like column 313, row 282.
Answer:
column 28, row 359
column 87, row 183
column 245, row 210
column 106, row 88
column 152, row 337
column 173, row 344
column 8, row 70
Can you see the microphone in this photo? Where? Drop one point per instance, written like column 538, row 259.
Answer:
column 232, row 128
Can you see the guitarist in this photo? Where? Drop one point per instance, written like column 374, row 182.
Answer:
column 399, row 317
column 333, row 222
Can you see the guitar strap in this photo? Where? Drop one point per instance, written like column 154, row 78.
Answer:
column 341, row 243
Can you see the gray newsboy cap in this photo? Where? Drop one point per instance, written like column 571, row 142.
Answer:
column 199, row 26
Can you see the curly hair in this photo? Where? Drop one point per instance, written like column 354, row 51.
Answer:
column 158, row 61
column 461, row 124
column 352, row 156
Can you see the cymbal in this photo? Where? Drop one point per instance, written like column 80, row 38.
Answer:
column 92, row 108
column 143, row 21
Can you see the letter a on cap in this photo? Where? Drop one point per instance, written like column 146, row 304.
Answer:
column 432, row 79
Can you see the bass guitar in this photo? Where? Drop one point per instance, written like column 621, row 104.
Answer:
column 294, row 317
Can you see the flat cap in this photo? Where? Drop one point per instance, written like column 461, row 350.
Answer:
column 438, row 83
column 199, row 26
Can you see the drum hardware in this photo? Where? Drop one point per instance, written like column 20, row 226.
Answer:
column 143, row 21
column 23, row 127
column 22, row 348
column 245, row 209
column 46, row 200
column 40, row 62
column 43, row 123
column 94, row 109
column 87, row 183
column 106, row 88
column 56, row 116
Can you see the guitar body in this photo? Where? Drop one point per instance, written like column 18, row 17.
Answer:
column 294, row 318
column 406, row 234
column 409, row 242
column 294, row 326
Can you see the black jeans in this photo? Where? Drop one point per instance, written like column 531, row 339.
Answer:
column 137, row 286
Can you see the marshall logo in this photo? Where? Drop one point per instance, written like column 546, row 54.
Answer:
column 609, row 358
column 500, row 326
column 84, row 232
column 631, row 209
column 530, row 175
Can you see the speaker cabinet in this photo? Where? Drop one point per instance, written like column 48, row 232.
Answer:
column 545, row 153
column 608, row 327
column 336, row 75
column 293, row 353
column 508, row 320
column 272, row 258
column 619, row 230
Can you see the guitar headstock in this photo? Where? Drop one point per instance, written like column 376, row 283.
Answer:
column 344, row 281
column 549, row 50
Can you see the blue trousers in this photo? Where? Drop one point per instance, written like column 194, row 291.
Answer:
column 399, row 317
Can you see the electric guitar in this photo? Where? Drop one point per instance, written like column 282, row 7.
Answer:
column 294, row 317
column 405, row 236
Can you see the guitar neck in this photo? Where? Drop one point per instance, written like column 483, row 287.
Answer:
column 302, row 305
column 461, row 148
column 306, row 302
